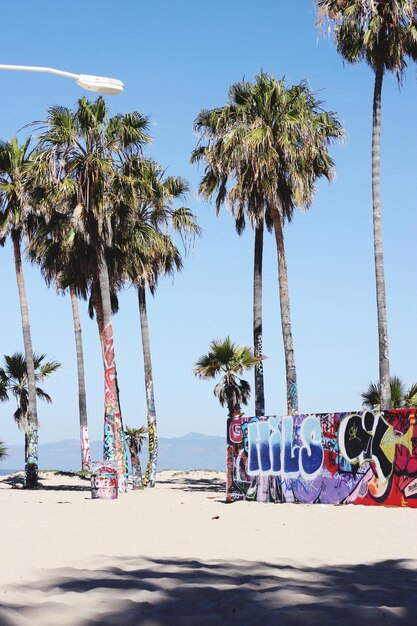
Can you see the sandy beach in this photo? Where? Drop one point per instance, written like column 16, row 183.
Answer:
column 179, row 554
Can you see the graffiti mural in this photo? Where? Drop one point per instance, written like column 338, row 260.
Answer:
column 365, row 457
column 114, row 443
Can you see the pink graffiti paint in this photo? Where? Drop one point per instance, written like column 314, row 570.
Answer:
column 112, row 405
column 104, row 480
column 85, row 448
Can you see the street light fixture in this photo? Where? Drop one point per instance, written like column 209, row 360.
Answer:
column 98, row 84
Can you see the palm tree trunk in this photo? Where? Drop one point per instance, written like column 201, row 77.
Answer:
column 137, row 481
column 150, row 475
column 291, row 374
column 114, row 449
column 31, row 460
column 384, row 378
column 98, row 308
column 257, row 319
column 82, row 401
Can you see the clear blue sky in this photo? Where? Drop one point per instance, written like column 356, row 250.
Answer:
column 176, row 58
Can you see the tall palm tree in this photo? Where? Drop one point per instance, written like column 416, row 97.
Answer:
column 270, row 143
column 63, row 258
column 228, row 360
column 135, row 438
column 147, row 251
column 16, row 163
column 401, row 396
column 384, row 34
column 90, row 146
column 216, row 125
column 14, row 379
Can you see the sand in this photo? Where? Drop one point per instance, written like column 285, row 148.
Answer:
column 179, row 554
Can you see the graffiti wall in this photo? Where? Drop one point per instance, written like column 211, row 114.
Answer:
column 334, row 458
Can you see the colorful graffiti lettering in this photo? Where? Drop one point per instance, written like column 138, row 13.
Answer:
column 335, row 458
column 114, row 444
column 273, row 451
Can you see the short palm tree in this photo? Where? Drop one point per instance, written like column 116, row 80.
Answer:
column 270, row 144
column 3, row 449
column 14, row 380
column 401, row 397
column 383, row 33
column 228, row 360
column 16, row 166
column 135, row 438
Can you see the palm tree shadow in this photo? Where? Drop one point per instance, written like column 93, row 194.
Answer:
column 190, row 591
column 18, row 482
column 15, row 481
column 209, row 485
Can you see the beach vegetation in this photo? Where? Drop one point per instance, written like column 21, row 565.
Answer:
column 135, row 438
column 402, row 397
column 14, row 381
column 228, row 360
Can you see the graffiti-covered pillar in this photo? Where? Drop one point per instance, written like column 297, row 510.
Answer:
column 114, row 449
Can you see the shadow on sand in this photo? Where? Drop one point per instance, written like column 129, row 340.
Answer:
column 178, row 591
column 208, row 485
column 17, row 481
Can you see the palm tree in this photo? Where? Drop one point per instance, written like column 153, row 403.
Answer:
column 383, row 33
column 145, row 250
column 270, row 142
column 240, row 198
column 135, row 438
column 401, row 397
column 14, row 379
column 229, row 360
column 3, row 449
column 62, row 256
column 15, row 171
column 90, row 146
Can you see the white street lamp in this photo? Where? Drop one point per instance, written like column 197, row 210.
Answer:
column 98, row 84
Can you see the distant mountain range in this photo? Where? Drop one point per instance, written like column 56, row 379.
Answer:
column 192, row 451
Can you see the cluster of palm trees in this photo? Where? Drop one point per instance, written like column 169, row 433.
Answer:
column 95, row 215
column 264, row 150
column 263, row 153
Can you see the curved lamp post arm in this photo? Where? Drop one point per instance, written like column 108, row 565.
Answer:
column 98, row 84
